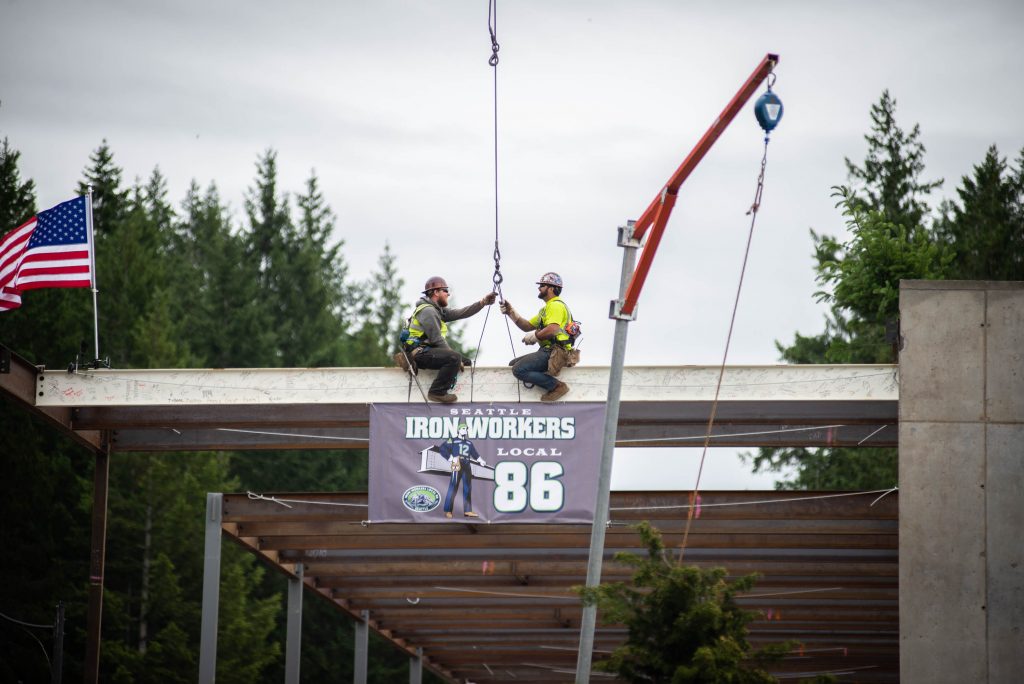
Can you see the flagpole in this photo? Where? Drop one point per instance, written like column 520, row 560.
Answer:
column 92, row 271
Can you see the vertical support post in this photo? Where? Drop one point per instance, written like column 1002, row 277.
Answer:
column 211, row 589
column 416, row 667
column 293, row 645
column 97, row 558
column 91, row 232
column 362, row 649
column 57, row 666
column 611, row 420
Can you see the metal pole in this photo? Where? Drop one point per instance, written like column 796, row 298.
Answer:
column 57, row 664
column 416, row 667
column 611, row 420
column 293, row 644
column 90, row 230
column 211, row 590
column 97, row 557
column 362, row 648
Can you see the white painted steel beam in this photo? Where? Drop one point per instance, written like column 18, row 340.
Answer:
column 301, row 386
column 328, row 408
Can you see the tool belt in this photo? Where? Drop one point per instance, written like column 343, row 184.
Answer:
column 560, row 358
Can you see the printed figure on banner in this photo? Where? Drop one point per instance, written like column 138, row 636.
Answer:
column 462, row 456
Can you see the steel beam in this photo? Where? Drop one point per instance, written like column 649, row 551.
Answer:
column 189, row 410
column 882, row 432
column 349, row 387
column 18, row 382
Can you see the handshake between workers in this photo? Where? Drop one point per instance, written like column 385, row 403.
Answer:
column 423, row 341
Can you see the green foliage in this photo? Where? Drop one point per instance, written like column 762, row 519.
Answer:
column 109, row 198
column 890, row 181
column 864, row 277
column 684, row 623
column 893, row 237
column 986, row 229
column 179, row 288
column 217, row 296
column 17, row 198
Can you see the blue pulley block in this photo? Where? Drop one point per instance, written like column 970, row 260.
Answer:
column 768, row 110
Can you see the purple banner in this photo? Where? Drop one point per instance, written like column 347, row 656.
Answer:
column 492, row 463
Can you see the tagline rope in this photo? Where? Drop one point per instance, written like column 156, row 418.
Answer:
column 728, row 340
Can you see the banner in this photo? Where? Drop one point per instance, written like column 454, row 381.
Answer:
column 493, row 463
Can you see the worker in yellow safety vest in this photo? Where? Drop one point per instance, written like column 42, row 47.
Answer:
column 423, row 342
column 555, row 330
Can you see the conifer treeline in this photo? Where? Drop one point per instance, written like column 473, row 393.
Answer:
column 895, row 234
column 180, row 287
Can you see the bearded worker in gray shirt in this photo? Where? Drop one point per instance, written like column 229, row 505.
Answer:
column 424, row 343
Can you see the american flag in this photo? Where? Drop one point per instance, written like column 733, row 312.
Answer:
column 49, row 250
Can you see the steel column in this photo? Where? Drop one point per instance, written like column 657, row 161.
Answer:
column 57, row 659
column 416, row 667
column 211, row 590
column 100, row 483
column 611, row 420
column 362, row 649
column 293, row 645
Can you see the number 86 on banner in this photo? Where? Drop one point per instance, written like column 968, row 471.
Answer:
column 539, row 488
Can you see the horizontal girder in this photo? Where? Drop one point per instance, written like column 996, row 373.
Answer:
column 328, row 408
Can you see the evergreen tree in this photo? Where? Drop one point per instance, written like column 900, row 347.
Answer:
column 890, row 179
column 153, row 576
column 381, row 313
column 986, row 228
column 216, row 287
column 130, row 273
column 17, row 198
column 44, row 478
column 886, row 213
column 109, row 199
column 270, row 225
column 51, row 324
column 311, row 277
column 684, row 623
column 178, row 291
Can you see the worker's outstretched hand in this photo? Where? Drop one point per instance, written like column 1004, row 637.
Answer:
column 506, row 308
column 489, row 298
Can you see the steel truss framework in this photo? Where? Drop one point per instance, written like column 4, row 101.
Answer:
column 493, row 603
column 829, row 565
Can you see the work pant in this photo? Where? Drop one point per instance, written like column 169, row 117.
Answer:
column 447, row 363
column 532, row 368
column 465, row 474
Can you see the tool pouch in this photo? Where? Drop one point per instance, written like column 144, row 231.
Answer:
column 560, row 358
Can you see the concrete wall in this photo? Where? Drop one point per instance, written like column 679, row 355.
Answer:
column 961, row 479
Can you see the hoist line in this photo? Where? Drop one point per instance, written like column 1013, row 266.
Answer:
column 752, row 212
column 497, row 278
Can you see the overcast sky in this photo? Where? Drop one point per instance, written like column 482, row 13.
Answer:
column 599, row 102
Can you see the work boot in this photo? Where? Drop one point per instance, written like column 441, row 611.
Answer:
column 470, row 514
column 448, row 514
column 556, row 393
column 442, row 398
